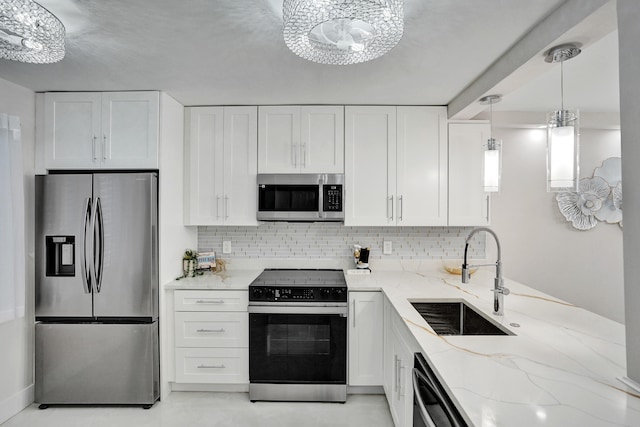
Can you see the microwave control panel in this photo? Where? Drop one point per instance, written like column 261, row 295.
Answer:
column 332, row 194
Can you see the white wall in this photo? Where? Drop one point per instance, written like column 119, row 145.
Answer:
column 16, row 337
column 539, row 247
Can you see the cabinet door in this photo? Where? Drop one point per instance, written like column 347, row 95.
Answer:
column 240, row 165
column 130, row 122
column 204, row 163
column 365, row 338
column 468, row 203
column 279, row 139
column 322, row 139
column 421, row 172
column 72, row 130
column 370, row 146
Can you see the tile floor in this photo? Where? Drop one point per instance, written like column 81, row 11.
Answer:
column 196, row 409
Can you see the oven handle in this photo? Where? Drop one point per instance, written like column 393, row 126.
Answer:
column 299, row 309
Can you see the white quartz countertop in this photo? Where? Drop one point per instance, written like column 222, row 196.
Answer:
column 225, row 280
column 559, row 369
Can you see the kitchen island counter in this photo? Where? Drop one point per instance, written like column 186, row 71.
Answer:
column 560, row 367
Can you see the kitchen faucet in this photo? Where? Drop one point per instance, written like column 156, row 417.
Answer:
column 499, row 291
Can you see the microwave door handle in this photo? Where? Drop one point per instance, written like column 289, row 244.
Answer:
column 86, row 271
column 422, row 408
column 428, row 383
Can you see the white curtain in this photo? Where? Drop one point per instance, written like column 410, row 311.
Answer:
column 12, row 244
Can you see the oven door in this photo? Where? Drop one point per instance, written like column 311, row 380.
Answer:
column 298, row 345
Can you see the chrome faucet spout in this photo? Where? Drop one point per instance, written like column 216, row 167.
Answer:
column 499, row 291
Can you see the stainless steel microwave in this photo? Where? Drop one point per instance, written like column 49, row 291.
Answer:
column 300, row 197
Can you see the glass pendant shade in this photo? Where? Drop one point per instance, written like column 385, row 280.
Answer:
column 492, row 166
column 30, row 33
column 342, row 32
column 562, row 151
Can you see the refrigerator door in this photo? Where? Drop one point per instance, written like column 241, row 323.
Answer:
column 63, row 288
column 94, row 363
column 126, row 249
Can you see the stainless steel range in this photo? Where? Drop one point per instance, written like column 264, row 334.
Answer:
column 298, row 336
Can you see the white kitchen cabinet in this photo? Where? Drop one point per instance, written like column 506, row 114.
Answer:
column 395, row 166
column 469, row 205
column 220, row 169
column 301, row 139
column 211, row 330
column 101, row 130
column 365, row 338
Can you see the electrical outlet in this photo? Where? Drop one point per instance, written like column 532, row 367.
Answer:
column 387, row 247
column 226, row 247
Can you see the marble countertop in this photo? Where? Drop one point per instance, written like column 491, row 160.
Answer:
column 559, row 369
column 225, row 280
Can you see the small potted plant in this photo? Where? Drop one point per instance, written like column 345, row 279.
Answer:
column 189, row 263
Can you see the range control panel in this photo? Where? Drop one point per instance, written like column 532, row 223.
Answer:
column 297, row 294
column 332, row 194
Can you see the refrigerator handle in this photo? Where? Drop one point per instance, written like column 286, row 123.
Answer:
column 86, row 273
column 99, row 259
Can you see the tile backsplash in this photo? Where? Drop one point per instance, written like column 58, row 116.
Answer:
column 334, row 241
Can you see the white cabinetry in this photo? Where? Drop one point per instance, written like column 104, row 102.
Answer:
column 396, row 166
column 469, row 205
column 301, row 139
column 211, row 337
column 108, row 130
column 365, row 338
column 399, row 349
column 220, row 165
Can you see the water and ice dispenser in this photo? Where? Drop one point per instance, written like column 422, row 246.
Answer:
column 60, row 255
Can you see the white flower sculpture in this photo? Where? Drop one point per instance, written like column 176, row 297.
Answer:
column 580, row 207
column 611, row 172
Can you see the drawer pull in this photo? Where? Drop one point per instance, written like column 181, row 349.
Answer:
column 211, row 367
column 203, row 301
column 211, row 330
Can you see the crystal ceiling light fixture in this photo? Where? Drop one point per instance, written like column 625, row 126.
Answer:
column 563, row 132
column 492, row 151
column 30, row 33
column 342, row 32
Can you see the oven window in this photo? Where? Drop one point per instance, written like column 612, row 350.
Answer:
column 288, row 198
column 297, row 348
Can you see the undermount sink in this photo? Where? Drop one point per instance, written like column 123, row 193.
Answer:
column 457, row 318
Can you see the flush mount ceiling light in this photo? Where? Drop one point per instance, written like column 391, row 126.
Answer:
column 30, row 33
column 492, row 154
column 563, row 133
column 342, row 32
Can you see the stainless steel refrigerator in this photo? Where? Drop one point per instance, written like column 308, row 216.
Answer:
column 97, row 289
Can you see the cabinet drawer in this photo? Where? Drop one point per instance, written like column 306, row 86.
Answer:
column 212, row 365
column 211, row 300
column 211, row 329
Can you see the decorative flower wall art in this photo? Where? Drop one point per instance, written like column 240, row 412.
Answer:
column 597, row 199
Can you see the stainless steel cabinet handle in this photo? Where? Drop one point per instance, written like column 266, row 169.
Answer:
column 303, row 155
column 293, row 153
column 93, row 148
column 392, row 198
column 217, row 207
column 396, row 372
column 86, row 274
column 104, row 146
column 210, row 330
column 353, row 314
column 202, row 301
column 487, row 209
column 400, row 382
column 226, row 207
column 400, row 208
column 211, row 366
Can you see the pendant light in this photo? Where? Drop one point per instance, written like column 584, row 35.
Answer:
column 563, row 132
column 492, row 152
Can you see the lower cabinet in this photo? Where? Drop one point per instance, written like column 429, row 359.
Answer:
column 211, row 337
column 399, row 349
column 365, row 338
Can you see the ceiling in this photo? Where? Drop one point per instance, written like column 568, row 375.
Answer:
column 231, row 52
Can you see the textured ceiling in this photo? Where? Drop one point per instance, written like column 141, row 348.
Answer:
column 223, row 52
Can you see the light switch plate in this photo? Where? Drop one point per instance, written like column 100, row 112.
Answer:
column 226, row 247
column 387, row 247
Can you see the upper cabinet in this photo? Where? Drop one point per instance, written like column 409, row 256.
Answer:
column 396, row 166
column 469, row 205
column 220, row 165
column 301, row 139
column 108, row 130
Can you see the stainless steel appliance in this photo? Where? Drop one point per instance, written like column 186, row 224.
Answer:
column 298, row 336
column 432, row 407
column 97, row 289
column 300, row 197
